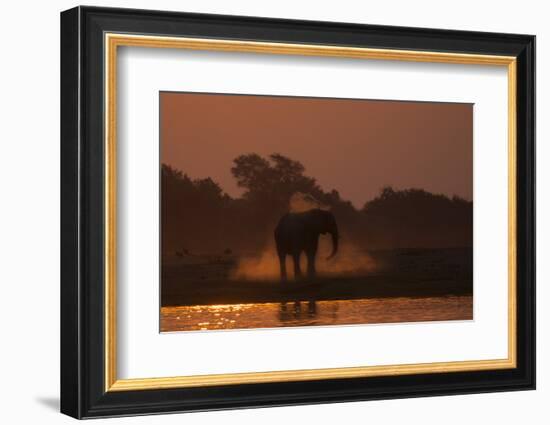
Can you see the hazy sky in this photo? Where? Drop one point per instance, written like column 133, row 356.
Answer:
column 353, row 146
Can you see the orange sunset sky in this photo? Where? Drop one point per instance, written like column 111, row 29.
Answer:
column 353, row 146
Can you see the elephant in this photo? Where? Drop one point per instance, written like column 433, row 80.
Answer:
column 299, row 232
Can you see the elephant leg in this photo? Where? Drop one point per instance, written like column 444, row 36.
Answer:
column 311, row 273
column 282, row 264
column 297, row 270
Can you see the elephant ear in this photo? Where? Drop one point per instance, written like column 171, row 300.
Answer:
column 319, row 219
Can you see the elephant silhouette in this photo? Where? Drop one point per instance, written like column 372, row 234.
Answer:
column 299, row 232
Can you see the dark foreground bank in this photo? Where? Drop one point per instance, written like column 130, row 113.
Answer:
column 400, row 273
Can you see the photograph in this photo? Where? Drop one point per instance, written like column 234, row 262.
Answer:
column 285, row 211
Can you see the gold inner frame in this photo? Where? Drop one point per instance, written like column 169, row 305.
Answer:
column 113, row 41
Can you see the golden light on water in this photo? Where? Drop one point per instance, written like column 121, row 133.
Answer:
column 306, row 313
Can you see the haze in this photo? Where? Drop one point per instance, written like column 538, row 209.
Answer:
column 353, row 146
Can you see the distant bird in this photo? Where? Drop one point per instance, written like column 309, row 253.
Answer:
column 182, row 253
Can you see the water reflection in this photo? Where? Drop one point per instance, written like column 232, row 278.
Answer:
column 297, row 310
column 312, row 312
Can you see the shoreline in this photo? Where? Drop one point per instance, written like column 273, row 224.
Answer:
column 322, row 289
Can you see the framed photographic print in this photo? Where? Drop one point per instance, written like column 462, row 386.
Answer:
column 261, row 212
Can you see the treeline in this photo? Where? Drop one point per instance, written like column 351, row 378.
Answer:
column 414, row 218
column 197, row 216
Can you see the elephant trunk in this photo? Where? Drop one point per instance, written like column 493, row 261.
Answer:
column 334, row 235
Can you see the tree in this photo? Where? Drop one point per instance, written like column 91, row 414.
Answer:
column 272, row 180
column 416, row 218
column 197, row 215
column 253, row 173
column 192, row 210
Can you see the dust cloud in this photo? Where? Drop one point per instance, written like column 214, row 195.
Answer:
column 302, row 202
column 349, row 261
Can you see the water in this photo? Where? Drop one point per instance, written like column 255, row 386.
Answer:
column 310, row 313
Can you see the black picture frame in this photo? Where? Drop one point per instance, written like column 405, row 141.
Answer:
column 83, row 392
